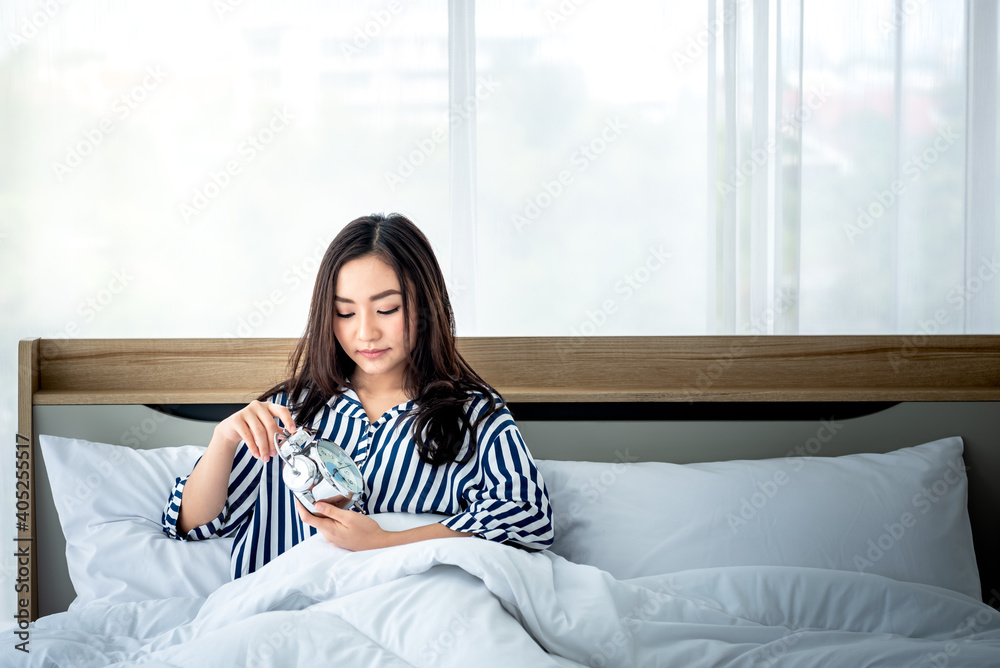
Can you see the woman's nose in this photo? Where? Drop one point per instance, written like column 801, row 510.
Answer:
column 367, row 328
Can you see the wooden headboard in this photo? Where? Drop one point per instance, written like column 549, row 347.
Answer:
column 656, row 371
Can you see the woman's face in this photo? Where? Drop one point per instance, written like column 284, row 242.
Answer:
column 369, row 323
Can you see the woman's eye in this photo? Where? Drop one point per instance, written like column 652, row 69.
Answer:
column 351, row 315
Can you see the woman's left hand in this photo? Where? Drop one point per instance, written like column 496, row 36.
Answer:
column 344, row 528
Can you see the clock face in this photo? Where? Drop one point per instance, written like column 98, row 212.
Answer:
column 340, row 467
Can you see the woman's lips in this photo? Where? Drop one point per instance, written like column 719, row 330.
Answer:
column 372, row 354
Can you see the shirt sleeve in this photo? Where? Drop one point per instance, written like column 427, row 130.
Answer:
column 244, row 479
column 507, row 500
column 241, row 495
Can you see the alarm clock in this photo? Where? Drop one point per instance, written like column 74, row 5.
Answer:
column 316, row 469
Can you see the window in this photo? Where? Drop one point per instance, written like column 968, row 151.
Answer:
column 582, row 168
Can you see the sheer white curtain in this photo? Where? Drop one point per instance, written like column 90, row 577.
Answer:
column 592, row 190
column 807, row 167
column 652, row 167
column 178, row 169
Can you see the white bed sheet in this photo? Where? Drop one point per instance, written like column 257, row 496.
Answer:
column 465, row 601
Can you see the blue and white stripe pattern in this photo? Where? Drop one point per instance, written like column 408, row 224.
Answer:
column 498, row 494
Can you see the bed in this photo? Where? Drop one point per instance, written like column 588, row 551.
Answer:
column 718, row 501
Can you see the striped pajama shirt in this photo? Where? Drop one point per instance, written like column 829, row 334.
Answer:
column 498, row 494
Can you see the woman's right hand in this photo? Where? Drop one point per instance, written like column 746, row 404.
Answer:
column 255, row 424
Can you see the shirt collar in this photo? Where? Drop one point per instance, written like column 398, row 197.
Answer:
column 348, row 403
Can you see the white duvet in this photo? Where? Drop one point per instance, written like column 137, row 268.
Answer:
column 470, row 602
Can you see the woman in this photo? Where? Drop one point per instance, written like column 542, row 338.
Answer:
column 378, row 373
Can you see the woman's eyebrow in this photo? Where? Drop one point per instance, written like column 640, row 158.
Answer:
column 374, row 298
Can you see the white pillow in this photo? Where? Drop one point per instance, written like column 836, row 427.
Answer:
column 902, row 515
column 109, row 499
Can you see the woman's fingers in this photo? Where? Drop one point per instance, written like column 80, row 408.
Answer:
column 266, row 412
column 247, row 437
column 254, row 424
column 259, row 429
column 339, row 500
column 283, row 414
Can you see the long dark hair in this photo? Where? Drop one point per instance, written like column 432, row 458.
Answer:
column 437, row 377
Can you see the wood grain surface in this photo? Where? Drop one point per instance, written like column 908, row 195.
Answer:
column 556, row 369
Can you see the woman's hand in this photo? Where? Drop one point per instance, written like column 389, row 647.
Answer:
column 207, row 486
column 345, row 528
column 354, row 531
column 255, row 424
